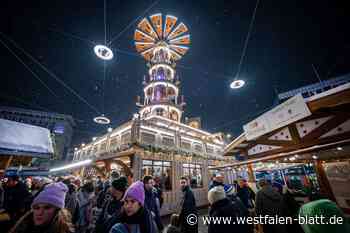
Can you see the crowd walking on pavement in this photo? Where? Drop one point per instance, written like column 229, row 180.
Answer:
column 116, row 205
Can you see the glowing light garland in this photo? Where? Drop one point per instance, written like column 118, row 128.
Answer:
column 73, row 165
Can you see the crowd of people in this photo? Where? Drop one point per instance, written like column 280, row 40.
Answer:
column 117, row 205
column 272, row 199
column 68, row 204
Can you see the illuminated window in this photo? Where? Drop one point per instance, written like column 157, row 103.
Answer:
column 94, row 150
column 194, row 173
column 174, row 116
column 148, row 138
column 185, row 145
column 126, row 138
column 113, row 144
column 160, row 170
column 88, row 152
column 167, row 141
column 160, row 112
column 210, row 149
column 198, row 147
column 103, row 147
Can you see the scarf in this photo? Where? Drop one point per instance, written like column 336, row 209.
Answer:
column 141, row 218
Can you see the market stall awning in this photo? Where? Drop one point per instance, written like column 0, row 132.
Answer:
column 18, row 139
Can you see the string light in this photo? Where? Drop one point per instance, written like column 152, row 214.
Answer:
column 74, row 165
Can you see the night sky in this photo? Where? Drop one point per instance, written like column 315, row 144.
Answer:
column 287, row 38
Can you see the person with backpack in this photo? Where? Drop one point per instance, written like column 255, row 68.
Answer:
column 221, row 206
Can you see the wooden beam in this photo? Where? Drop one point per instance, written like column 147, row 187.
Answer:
column 274, row 142
column 325, row 187
column 274, row 157
column 337, row 99
column 326, row 127
column 264, row 139
column 294, row 133
column 304, row 144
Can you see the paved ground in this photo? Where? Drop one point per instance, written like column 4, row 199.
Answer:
column 202, row 227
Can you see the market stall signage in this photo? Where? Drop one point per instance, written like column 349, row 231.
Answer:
column 284, row 114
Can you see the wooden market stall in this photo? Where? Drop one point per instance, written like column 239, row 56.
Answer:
column 313, row 130
column 20, row 143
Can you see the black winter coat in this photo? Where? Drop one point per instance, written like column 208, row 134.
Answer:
column 270, row 202
column 17, row 200
column 151, row 205
column 110, row 208
column 228, row 208
column 244, row 195
column 188, row 207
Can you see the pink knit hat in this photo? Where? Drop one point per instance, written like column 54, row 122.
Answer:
column 53, row 194
column 136, row 191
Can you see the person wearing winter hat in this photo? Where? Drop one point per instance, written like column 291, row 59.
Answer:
column 48, row 213
column 17, row 197
column 328, row 210
column 134, row 218
column 221, row 206
column 216, row 194
column 218, row 180
column 231, row 194
column 86, row 198
column 269, row 202
column 112, row 206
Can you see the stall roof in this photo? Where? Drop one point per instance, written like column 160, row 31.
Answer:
column 329, row 122
column 24, row 140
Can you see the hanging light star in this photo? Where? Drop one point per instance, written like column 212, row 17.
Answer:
column 102, row 120
column 236, row 84
column 103, row 52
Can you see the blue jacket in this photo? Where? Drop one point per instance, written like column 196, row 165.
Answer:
column 122, row 228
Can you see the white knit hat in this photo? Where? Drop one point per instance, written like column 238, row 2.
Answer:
column 216, row 194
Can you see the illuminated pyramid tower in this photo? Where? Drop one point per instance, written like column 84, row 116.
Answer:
column 161, row 41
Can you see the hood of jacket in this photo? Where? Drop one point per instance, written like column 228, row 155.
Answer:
column 270, row 193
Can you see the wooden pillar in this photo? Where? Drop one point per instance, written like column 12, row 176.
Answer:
column 251, row 176
column 325, row 187
column 8, row 162
column 136, row 166
column 107, row 165
column 82, row 170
